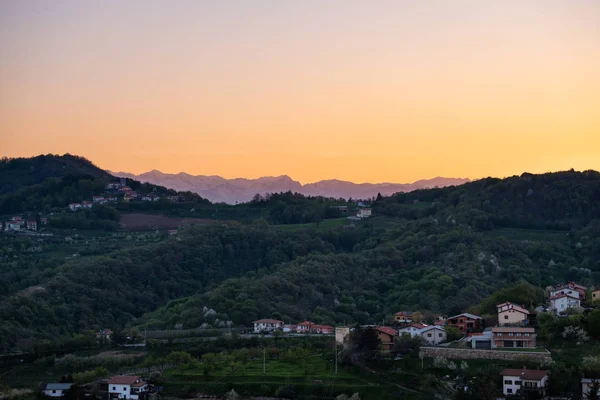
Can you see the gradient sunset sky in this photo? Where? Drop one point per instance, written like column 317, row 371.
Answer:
column 354, row 90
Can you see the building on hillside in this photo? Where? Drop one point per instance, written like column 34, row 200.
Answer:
column 113, row 186
column 98, row 199
column 512, row 314
column 323, row 329
column 440, row 323
column 433, row 335
column 482, row 340
column 74, row 206
column 112, row 199
column 173, row 199
column 588, row 386
column 364, row 213
column 44, row 221
column 125, row 189
column 403, row 317
column 412, row 330
column 17, row 218
column 513, row 337
column 289, row 328
column 126, row 387
column 570, row 288
column 304, row 327
column 267, row 325
column 104, row 334
column 596, row 295
column 32, row 225
column 172, row 232
column 342, row 334
column 466, row 323
column 56, row 389
column 517, row 381
column 387, row 337
column 87, row 204
column 13, row 226
column 561, row 302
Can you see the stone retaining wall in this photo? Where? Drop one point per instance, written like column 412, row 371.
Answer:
column 470, row 354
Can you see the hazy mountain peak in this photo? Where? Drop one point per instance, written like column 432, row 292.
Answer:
column 218, row 189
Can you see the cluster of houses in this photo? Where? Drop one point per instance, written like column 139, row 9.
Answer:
column 363, row 212
column 272, row 325
column 119, row 191
column 117, row 387
column 19, row 224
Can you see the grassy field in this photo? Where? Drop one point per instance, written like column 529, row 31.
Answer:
column 321, row 226
column 526, row 234
column 319, row 380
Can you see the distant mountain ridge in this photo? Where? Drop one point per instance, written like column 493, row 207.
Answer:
column 218, row 189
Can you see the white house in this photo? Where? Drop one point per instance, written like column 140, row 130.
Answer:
column 267, row 325
column 74, row 206
column 561, row 302
column 113, row 186
column 512, row 314
column 588, row 386
column 98, row 199
column 433, row 334
column 516, row 380
column 565, row 290
column 412, row 330
column 87, row 204
column 364, row 213
column 126, row 387
column 56, row 389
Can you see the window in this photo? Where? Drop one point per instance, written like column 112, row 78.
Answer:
column 509, row 390
column 114, row 388
column 518, row 334
column 440, row 335
column 518, row 383
column 124, row 389
column 499, row 333
column 527, row 334
column 54, row 391
column 506, row 317
column 507, row 382
column 511, row 334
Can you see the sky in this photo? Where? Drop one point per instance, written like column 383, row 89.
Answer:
column 386, row 91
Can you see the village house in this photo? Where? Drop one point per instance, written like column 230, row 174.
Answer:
column 289, row 328
column 173, row 199
column 466, row 323
column 113, row 186
column 104, row 334
column 172, row 232
column 513, row 337
column 570, row 288
column 112, row 199
column 323, row 329
column 433, row 335
column 482, row 340
column 126, row 387
column 74, row 206
column 512, row 314
column 32, row 225
column 387, row 337
column 515, row 381
column 56, row 389
column 403, row 317
column 587, row 386
column 44, row 221
column 304, row 327
column 125, row 189
column 87, row 204
column 98, row 199
column 130, row 196
column 13, row 226
column 561, row 302
column 267, row 325
column 412, row 330
column 364, row 213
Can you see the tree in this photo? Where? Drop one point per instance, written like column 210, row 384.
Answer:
column 453, row 333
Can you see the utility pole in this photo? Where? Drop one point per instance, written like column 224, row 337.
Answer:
column 264, row 361
column 336, row 357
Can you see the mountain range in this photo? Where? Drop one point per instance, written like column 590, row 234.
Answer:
column 222, row 190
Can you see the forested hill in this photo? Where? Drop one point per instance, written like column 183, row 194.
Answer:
column 43, row 183
column 438, row 250
column 16, row 173
column 563, row 200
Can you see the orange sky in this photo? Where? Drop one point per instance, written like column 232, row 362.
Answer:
column 338, row 89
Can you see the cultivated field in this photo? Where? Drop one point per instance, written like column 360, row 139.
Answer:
column 139, row 221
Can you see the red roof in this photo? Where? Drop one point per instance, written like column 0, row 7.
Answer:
column 387, row 330
column 529, row 374
column 126, row 380
column 268, row 321
column 558, row 296
column 440, row 323
column 404, row 313
column 322, row 327
column 306, row 323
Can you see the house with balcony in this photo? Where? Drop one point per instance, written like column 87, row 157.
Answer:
column 126, row 387
column 513, row 337
column 571, row 288
column 56, row 389
column 387, row 337
column 512, row 314
column 412, row 330
column 561, row 302
column 466, row 323
column 517, row 381
column 267, row 325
